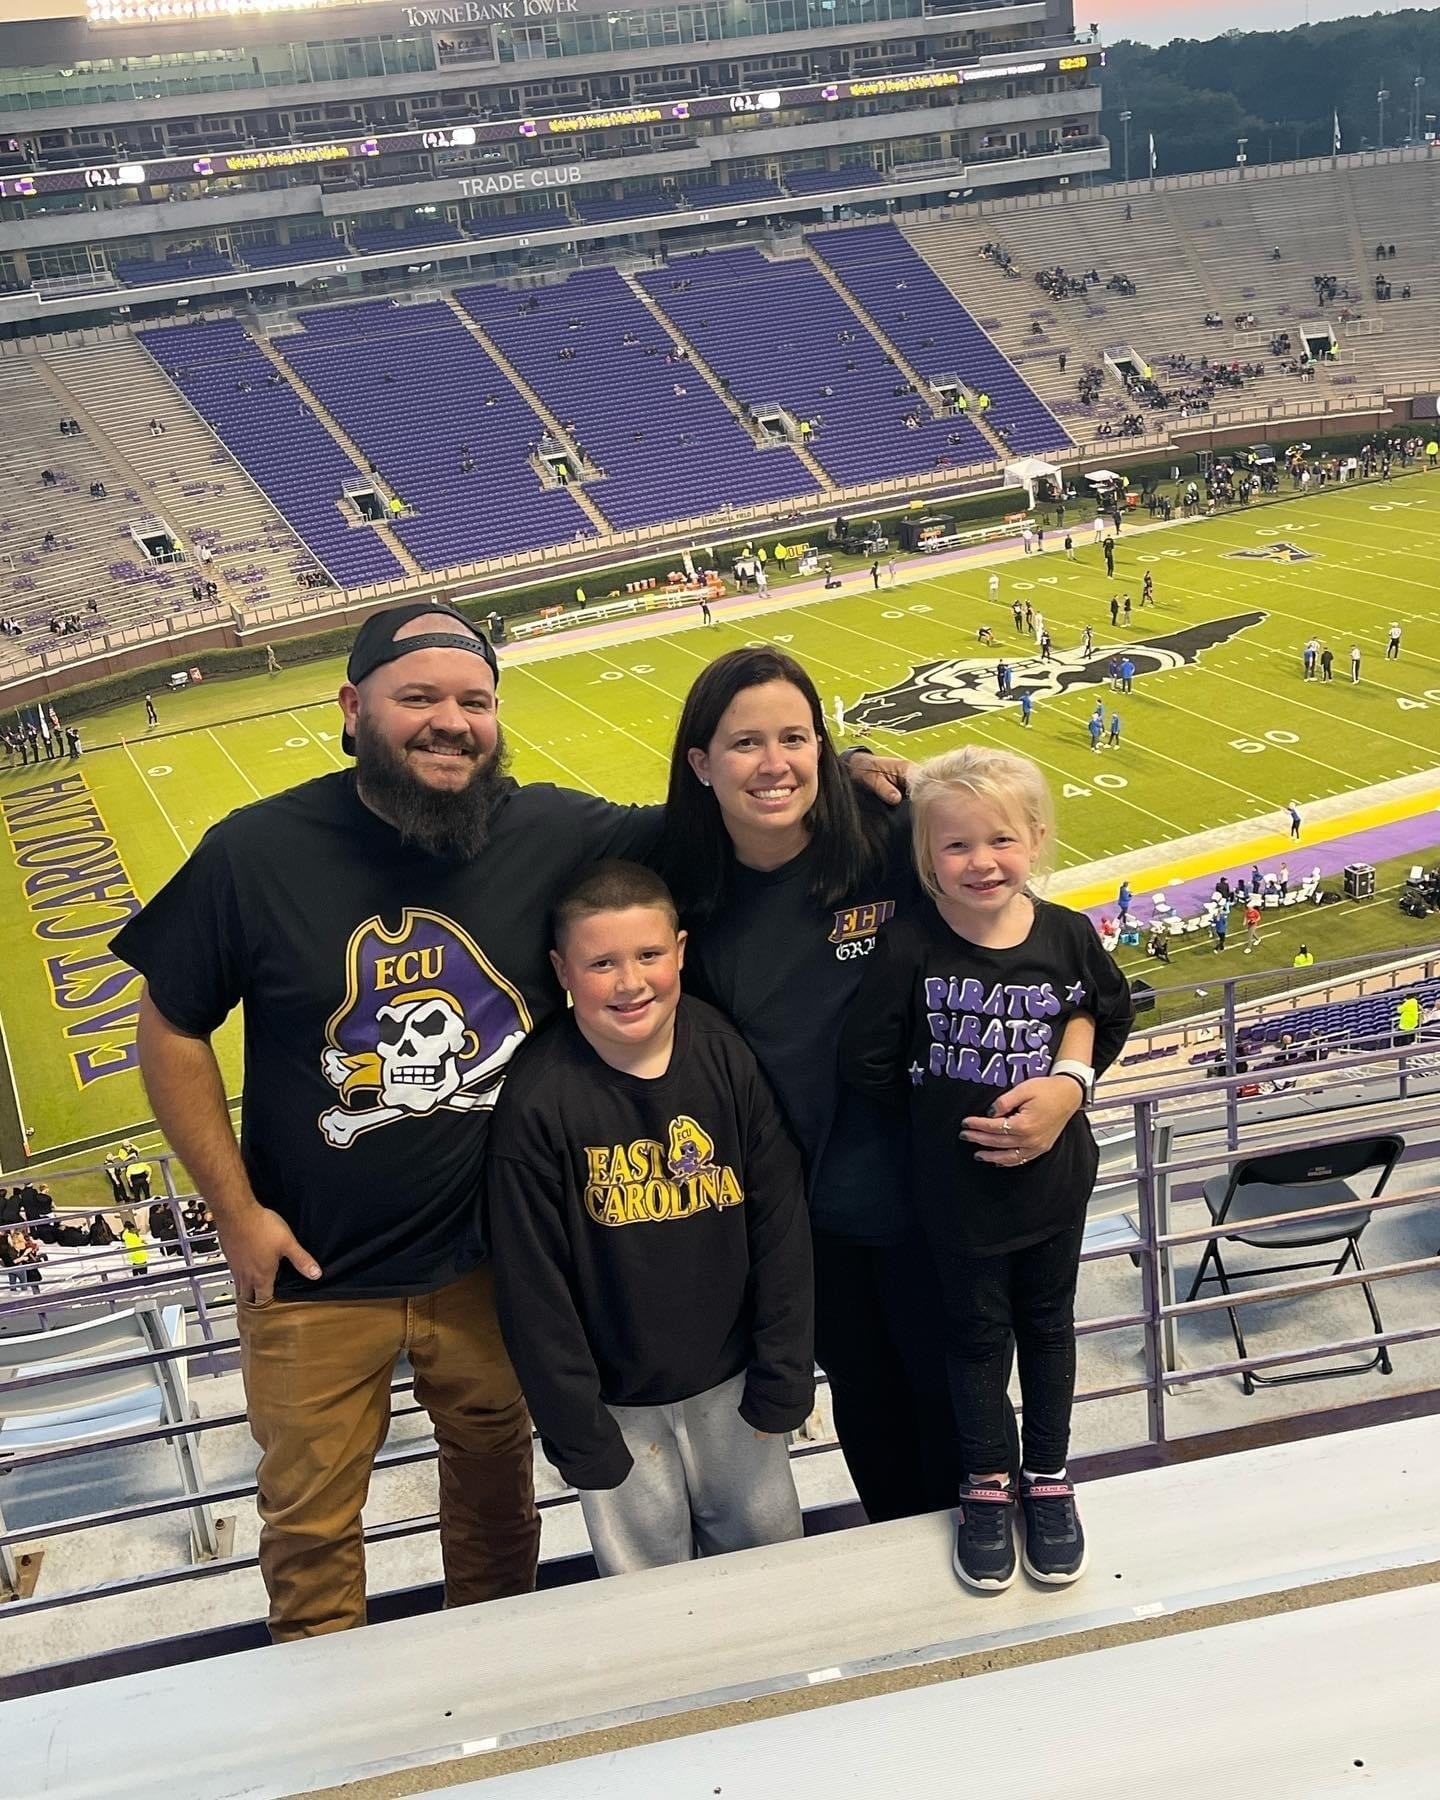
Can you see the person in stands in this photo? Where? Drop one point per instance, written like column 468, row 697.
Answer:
column 664, row 1343
column 1003, row 1221
column 788, row 879
column 348, row 1211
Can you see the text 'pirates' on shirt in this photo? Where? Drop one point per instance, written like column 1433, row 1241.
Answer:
column 384, row 992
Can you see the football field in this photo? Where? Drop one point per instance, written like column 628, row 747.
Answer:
column 1220, row 728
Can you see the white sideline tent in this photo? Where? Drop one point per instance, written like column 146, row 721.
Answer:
column 1028, row 472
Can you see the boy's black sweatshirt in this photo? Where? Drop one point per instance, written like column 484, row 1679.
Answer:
column 650, row 1239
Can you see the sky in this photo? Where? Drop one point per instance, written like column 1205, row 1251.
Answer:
column 1157, row 21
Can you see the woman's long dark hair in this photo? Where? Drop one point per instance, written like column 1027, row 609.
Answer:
column 847, row 836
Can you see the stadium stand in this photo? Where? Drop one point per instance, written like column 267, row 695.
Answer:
column 824, row 181
column 299, row 250
column 750, row 191
column 603, row 208
column 420, row 234
column 62, row 546
column 276, row 439
column 1189, row 249
column 89, row 1402
column 193, row 483
column 535, row 218
column 1360, row 1024
column 191, row 266
column 780, row 336
column 935, row 334
column 421, row 398
column 665, row 454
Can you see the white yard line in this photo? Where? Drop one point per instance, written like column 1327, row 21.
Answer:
column 150, row 789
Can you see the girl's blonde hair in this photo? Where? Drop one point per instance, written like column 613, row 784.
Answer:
column 1012, row 784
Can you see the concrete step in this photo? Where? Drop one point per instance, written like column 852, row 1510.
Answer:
column 1173, row 1551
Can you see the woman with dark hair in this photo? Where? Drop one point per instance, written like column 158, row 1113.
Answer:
column 786, row 874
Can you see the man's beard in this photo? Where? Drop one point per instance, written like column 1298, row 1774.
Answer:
column 450, row 823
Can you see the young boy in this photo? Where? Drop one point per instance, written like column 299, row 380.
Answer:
column 651, row 1245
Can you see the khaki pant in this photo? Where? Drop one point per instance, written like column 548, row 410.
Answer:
column 317, row 1387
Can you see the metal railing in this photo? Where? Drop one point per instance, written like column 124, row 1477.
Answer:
column 1182, row 1132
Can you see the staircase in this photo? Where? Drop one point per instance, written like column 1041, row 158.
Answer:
column 712, row 380
column 553, row 427
column 342, row 437
column 186, row 477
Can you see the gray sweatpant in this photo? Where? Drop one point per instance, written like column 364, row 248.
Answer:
column 704, row 1483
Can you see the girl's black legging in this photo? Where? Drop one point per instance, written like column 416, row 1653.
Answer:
column 1024, row 1298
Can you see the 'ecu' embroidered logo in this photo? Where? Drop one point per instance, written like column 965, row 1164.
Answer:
column 852, row 922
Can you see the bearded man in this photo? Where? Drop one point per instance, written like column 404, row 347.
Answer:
column 385, row 931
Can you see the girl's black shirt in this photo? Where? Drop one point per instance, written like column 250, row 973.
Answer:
column 942, row 1027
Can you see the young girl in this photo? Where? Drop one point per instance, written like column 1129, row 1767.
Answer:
column 964, row 999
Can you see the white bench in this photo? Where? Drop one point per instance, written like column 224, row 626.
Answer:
column 97, row 1400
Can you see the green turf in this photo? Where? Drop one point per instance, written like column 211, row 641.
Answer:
column 1195, row 754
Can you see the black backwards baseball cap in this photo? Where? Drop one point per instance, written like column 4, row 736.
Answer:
column 375, row 643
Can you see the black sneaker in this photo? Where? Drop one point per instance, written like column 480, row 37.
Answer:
column 984, row 1536
column 1054, row 1541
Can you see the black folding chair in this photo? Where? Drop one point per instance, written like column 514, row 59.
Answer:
column 1295, row 1181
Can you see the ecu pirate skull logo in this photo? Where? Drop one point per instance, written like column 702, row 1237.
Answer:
column 427, row 1026
column 940, row 693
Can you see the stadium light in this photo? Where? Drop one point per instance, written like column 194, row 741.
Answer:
column 1417, row 89
column 1380, row 100
column 1240, row 144
column 1125, row 117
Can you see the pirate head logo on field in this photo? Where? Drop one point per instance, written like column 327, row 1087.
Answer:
column 427, row 1026
column 942, row 693
column 1288, row 553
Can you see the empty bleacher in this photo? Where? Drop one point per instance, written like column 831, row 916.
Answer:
column 419, row 395
column 276, row 438
column 1335, row 1026
column 420, row 234
column 824, row 181
column 93, row 555
column 767, row 330
column 934, row 332
column 193, row 265
column 191, row 480
column 665, row 454
column 522, row 220
column 322, row 248
column 746, row 191
column 606, row 208
column 781, row 336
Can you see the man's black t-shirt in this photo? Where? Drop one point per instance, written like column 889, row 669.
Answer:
column 785, row 969
column 945, row 1027
column 384, row 992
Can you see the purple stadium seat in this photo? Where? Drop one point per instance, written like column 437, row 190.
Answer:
column 890, row 279
column 666, row 455
column 777, row 332
column 279, row 442
column 411, row 385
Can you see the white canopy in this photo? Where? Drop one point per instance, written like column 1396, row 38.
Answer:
column 1027, row 472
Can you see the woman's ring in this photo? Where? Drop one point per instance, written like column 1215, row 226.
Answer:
column 1005, row 1126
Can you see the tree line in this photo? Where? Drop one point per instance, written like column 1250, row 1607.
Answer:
column 1279, row 90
